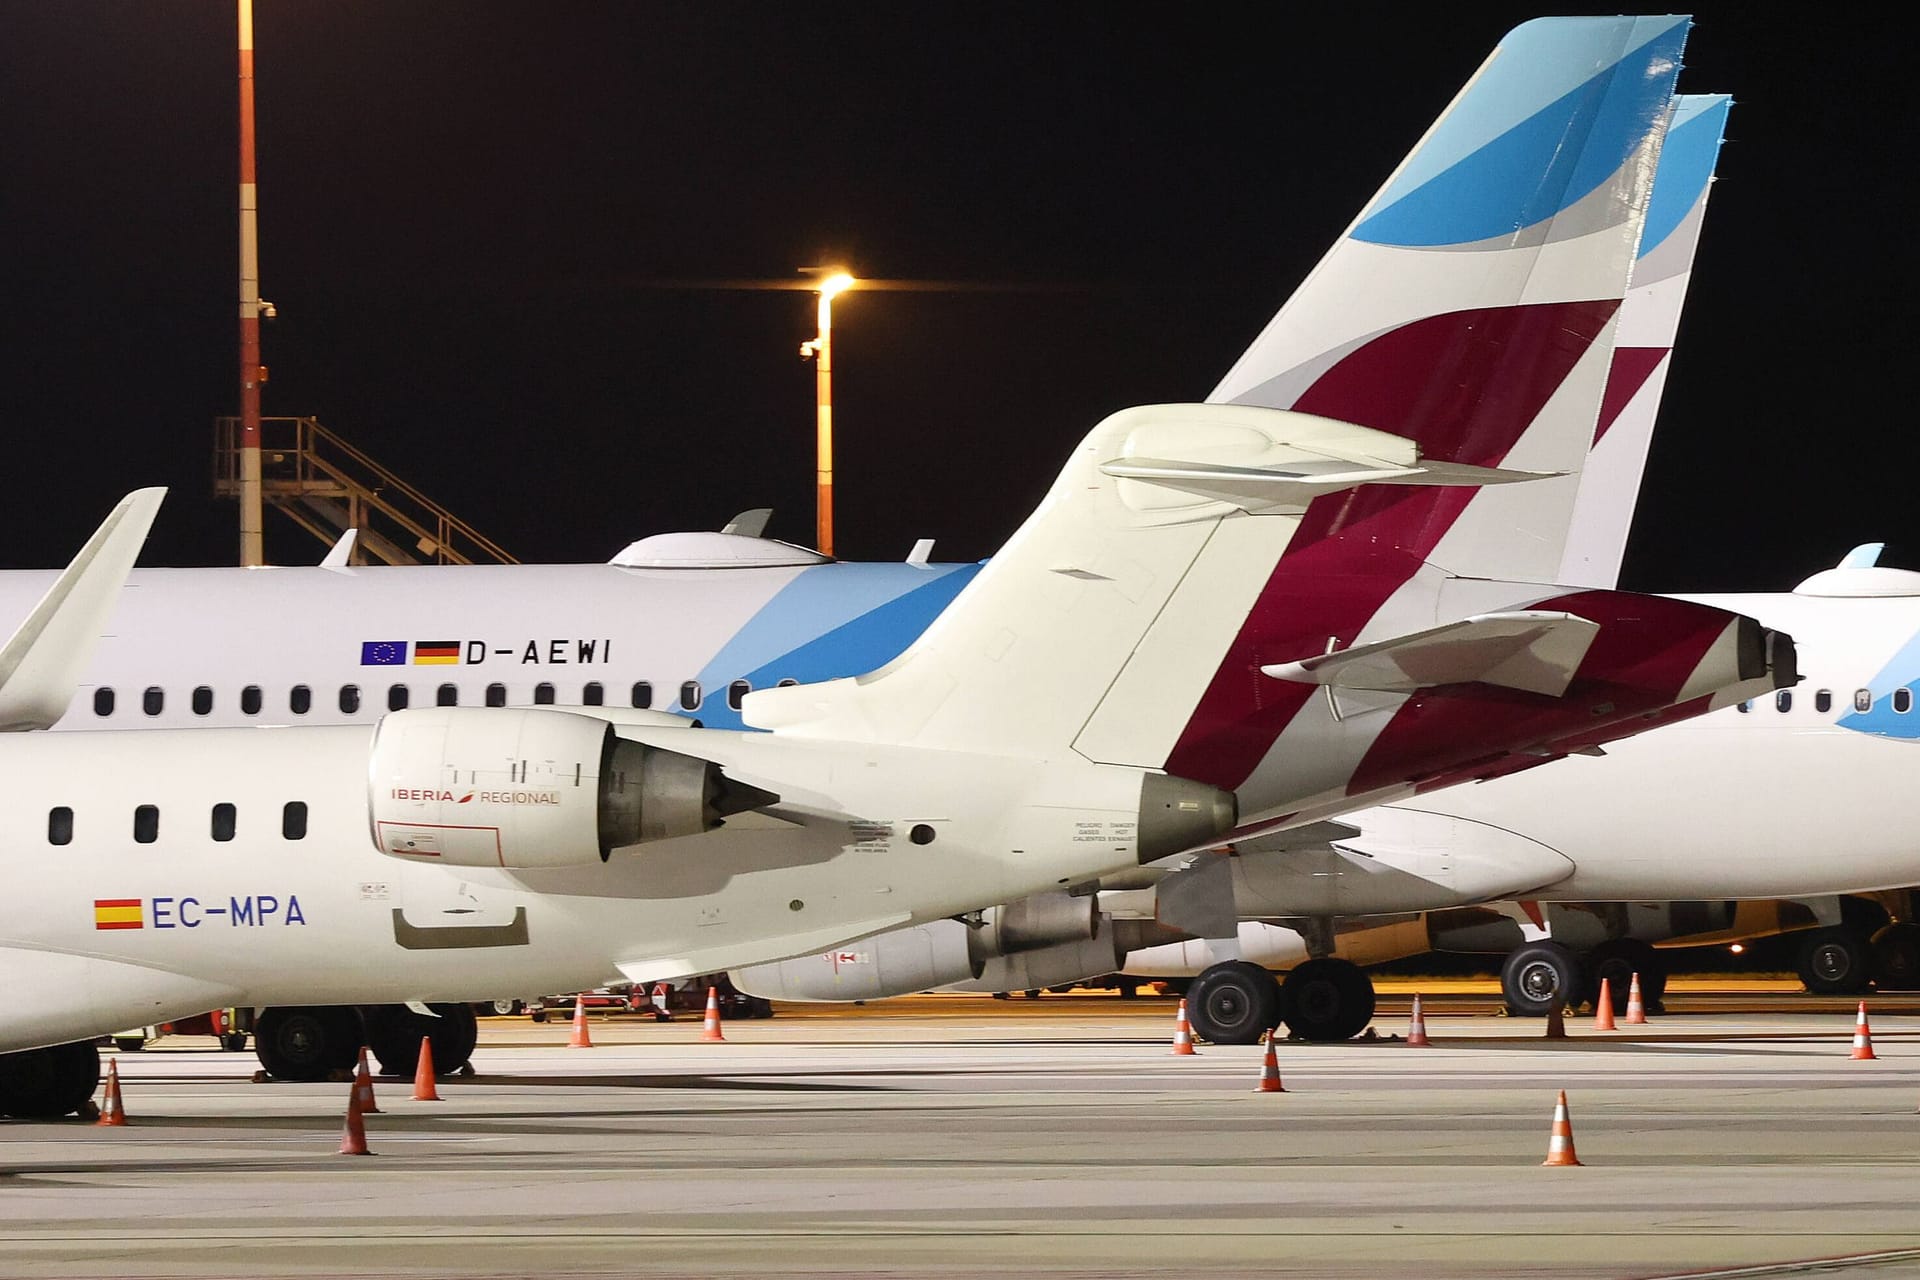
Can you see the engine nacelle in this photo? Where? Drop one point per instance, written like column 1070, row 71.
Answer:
column 1044, row 920
column 896, row 963
column 492, row 787
column 1047, row 967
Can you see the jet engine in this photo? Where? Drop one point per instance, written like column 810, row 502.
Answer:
column 1056, row 925
column 482, row 786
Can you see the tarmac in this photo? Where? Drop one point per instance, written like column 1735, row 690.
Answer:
column 952, row 1136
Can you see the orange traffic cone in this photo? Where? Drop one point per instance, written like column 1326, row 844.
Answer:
column 1417, row 1026
column 1182, row 1031
column 1560, row 1144
column 353, row 1139
column 580, row 1039
column 363, row 1086
column 1603, row 1007
column 424, row 1089
column 1862, row 1036
column 710, row 1025
column 1636, row 1008
column 1270, row 1071
column 1556, row 1022
column 111, row 1110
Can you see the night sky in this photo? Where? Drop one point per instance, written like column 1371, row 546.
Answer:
column 477, row 220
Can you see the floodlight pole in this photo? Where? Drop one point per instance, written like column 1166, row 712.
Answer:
column 252, row 551
column 821, row 352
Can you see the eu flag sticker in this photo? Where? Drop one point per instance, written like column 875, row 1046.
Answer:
column 383, row 653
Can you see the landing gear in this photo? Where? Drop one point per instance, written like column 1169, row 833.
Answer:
column 394, row 1032
column 1234, row 1002
column 1328, row 999
column 1836, row 961
column 1617, row 960
column 1539, row 977
column 307, row 1042
column 42, row 1084
column 1896, row 957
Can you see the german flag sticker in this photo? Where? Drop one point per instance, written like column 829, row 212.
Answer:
column 428, row 653
column 117, row 913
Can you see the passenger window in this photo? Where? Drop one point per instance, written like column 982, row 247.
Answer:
column 223, row 822
column 146, row 824
column 350, row 699
column 1863, row 699
column 643, row 694
column 250, row 700
column 1903, row 700
column 300, row 700
column 593, row 695
column 1745, row 707
column 496, row 695
column 103, row 701
column 1783, row 700
column 737, row 693
column 60, row 825
column 154, row 700
column 448, row 695
column 543, row 694
column 1823, row 700
column 202, row 700
column 690, row 696
column 397, row 697
column 293, row 820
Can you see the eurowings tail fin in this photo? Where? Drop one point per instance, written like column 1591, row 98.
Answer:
column 1649, row 324
column 1456, row 336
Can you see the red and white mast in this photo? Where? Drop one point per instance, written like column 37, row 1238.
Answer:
column 251, row 550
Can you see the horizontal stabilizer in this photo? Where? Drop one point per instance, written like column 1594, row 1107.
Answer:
column 1290, row 486
column 1534, row 651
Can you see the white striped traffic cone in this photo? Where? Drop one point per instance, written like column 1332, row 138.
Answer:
column 1636, row 1007
column 1182, row 1032
column 1560, row 1144
column 1417, row 1026
column 710, row 1026
column 363, row 1086
column 1270, row 1071
column 1862, row 1037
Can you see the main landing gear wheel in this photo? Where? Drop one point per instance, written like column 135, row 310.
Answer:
column 1617, row 960
column 394, row 1032
column 307, row 1043
column 1896, row 957
column 1539, row 977
column 1836, row 961
column 1328, row 1000
column 43, row 1084
column 1234, row 1002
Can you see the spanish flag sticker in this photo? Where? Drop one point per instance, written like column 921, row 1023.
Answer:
column 117, row 913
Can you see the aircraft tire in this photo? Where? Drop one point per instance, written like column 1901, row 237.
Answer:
column 1896, row 957
column 1836, row 961
column 1328, row 1000
column 394, row 1032
column 308, row 1042
column 1233, row 1002
column 1617, row 960
column 1538, row 977
column 44, row 1084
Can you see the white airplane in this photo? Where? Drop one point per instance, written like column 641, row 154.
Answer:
column 1300, row 606
column 1395, row 881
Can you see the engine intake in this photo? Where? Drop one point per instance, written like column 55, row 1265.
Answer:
column 528, row 788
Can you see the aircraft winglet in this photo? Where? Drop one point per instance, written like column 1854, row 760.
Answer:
column 40, row 666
